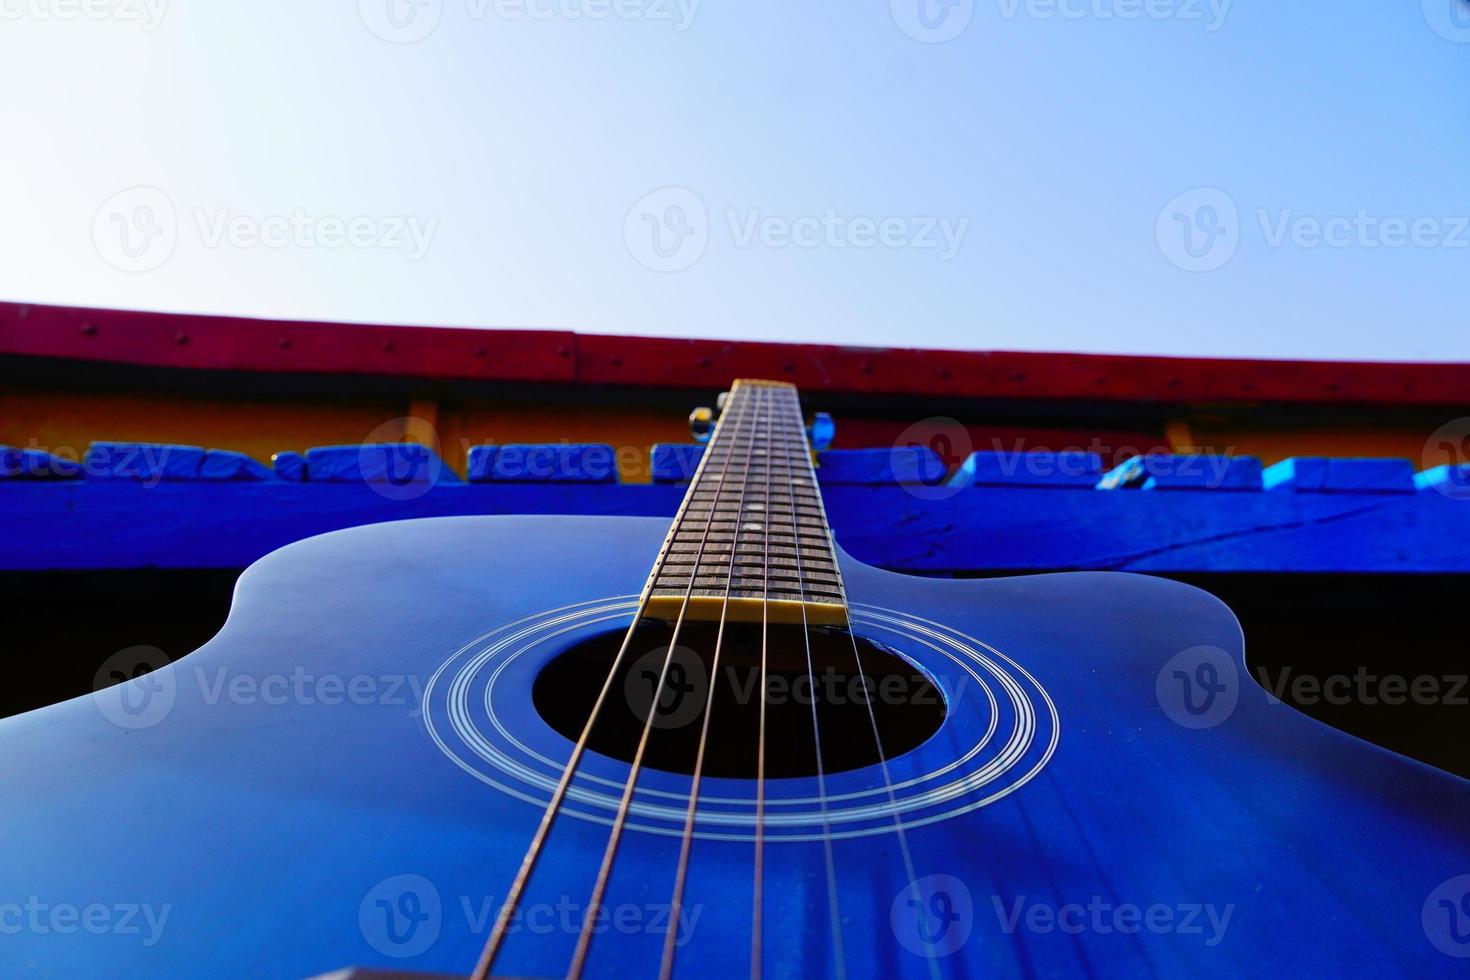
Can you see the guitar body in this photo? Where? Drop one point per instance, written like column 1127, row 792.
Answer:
column 349, row 774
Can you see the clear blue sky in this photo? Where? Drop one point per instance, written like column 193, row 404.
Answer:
column 1254, row 177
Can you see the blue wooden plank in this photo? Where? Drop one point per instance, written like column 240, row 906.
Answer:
column 289, row 466
column 95, row 524
column 148, row 462
column 1452, row 481
column 881, row 467
column 1310, row 474
column 1127, row 475
column 1202, row 472
column 1184, row 471
column 209, row 524
column 674, row 462
column 544, row 463
column 1020, row 529
column 226, row 464
column 478, row 462
column 388, row 463
column 1067, row 470
column 36, row 464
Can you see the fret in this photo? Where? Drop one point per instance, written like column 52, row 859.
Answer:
column 751, row 539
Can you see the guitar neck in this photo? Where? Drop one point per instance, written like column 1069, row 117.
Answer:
column 751, row 541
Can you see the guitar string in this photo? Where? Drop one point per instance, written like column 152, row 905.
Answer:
column 528, row 862
column 499, row 931
column 676, row 903
column 903, row 844
column 604, row 873
column 832, row 905
column 758, row 904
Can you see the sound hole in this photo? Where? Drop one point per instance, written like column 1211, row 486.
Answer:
column 906, row 705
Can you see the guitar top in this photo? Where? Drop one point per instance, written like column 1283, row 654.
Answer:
column 595, row 746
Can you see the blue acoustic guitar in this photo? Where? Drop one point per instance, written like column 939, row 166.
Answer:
column 500, row 746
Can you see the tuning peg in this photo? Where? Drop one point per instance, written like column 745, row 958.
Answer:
column 702, row 424
column 720, row 402
column 821, row 431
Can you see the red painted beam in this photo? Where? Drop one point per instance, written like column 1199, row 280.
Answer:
column 169, row 340
column 535, row 356
column 1020, row 375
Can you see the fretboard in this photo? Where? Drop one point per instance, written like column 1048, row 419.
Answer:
column 754, row 496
